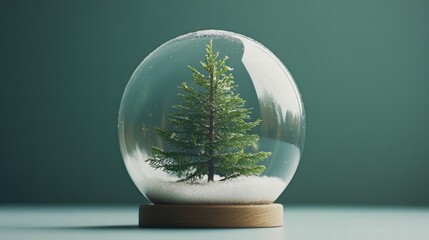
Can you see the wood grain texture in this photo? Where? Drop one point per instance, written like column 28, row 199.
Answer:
column 211, row 216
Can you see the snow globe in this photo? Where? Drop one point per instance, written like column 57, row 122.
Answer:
column 211, row 129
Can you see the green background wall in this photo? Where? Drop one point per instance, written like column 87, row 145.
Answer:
column 361, row 66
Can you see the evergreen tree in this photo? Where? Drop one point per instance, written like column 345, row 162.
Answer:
column 209, row 129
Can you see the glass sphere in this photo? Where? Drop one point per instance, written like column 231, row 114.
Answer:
column 211, row 117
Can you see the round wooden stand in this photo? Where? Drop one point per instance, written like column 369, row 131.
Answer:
column 211, row 216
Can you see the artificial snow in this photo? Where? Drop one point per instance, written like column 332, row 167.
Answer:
column 243, row 190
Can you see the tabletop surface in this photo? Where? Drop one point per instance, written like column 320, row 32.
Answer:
column 301, row 222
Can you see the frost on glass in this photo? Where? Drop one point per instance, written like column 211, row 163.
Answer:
column 261, row 80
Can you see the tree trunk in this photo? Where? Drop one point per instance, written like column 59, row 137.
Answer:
column 211, row 163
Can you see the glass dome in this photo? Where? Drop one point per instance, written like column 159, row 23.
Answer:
column 211, row 117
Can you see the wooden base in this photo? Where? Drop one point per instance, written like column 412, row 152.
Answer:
column 211, row 216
